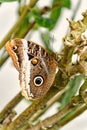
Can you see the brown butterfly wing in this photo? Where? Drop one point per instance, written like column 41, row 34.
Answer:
column 36, row 67
column 44, row 69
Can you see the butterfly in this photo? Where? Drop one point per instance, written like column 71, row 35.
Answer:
column 36, row 67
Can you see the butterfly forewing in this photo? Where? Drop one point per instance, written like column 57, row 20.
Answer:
column 37, row 67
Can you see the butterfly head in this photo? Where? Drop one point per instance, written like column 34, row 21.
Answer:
column 12, row 49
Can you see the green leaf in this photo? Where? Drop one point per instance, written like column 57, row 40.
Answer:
column 26, row 22
column 56, row 12
column 73, row 87
column 47, row 40
column 67, row 3
column 23, row 27
column 42, row 21
column 7, row 1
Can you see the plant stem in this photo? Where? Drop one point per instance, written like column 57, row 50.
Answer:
column 79, row 110
column 51, row 120
column 77, row 106
column 8, row 108
column 42, row 11
column 31, row 25
column 57, row 118
column 3, row 59
column 21, row 121
column 2, row 127
column 48, row 104
column 17, row 24
column 76, row 112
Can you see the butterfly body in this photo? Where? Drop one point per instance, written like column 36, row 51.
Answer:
column 36, row 67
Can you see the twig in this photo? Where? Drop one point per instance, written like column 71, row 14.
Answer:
column 8, row 108
column 76, row 112
column 31, row 25
column 60, row 118
column 51, row 120
column 2, row 127
column 17, row 24
column 21, row 121
column 77, row 105
column 48, row 104
column 79, row 110
column 3, row 59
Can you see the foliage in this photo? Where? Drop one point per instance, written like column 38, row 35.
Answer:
column 67, row 89
column 7, row 0
column 56, row 12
